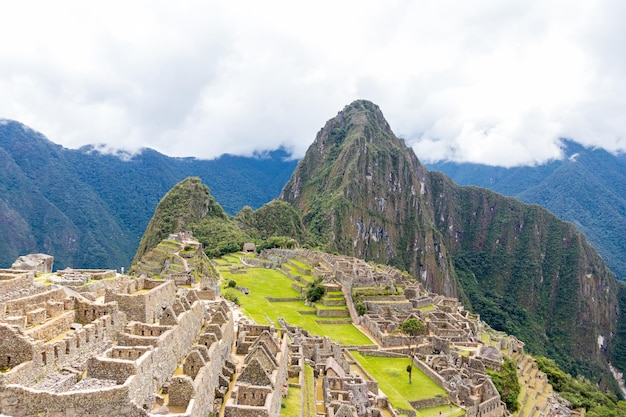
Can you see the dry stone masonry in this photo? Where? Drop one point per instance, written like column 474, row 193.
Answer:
column 99, row 343
column 95, row 343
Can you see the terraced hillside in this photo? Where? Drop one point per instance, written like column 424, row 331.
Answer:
column 178, row 255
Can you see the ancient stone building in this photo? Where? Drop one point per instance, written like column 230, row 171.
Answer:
column 118, row 346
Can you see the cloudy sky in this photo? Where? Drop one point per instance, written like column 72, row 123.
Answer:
column 487, row 81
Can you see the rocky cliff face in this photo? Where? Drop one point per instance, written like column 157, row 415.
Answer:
column 365, row 194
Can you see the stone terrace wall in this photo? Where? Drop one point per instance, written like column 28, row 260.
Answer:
column 431, row 373
column 19, row 401
column 144, row 306
column 20, row 306
column 12, row 279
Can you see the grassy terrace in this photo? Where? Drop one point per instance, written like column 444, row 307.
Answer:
column 292, row 403
column 393, row 380
column 294, row 271
column 264, row 283
column 308, row 394
column 302, row 265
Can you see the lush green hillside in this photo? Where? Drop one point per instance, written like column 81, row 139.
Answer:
column 587, row 187
column 365, row 194
column 46, row 208
column 89, row 210
column 189, row 206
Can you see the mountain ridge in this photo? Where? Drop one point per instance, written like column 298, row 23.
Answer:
column 519, row 264
column 89, row 209
column 587, row 187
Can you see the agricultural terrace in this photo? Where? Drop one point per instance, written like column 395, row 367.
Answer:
column 265, row 282
column 393, row 380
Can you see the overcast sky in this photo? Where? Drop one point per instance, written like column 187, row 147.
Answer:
column 495, row 81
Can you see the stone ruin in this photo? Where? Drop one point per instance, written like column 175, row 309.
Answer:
column 262, row 378
column 117, row 346
column 449, row 351
column 345, row 393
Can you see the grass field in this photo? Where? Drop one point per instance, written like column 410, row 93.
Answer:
column 393, row 380
column 292, row 403
column 264, row 283
column 308, row 393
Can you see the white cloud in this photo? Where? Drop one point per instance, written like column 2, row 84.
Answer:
column 486, row 81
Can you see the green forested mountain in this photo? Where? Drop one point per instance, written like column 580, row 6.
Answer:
column 364, row 193
column 587, row 187
column 189, row 206
column 89, row 209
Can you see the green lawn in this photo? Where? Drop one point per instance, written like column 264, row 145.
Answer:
column 444, row 409
column 292, row 403
column 308, row 394
column 393, row 380
column 264, row 283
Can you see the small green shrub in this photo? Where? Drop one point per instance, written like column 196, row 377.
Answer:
column 231, row 297
column 316, row 291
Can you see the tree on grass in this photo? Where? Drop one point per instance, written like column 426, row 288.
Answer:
column 412, row 328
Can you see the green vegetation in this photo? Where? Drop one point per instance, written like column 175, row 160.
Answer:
column 190, row 206
column 315, row 291
column 292, row 403
column 393, row 381
column 412, row 328
column 308, row 394
column 264, row 282
column 230, row 296
column 507, row 384
column 580, row 392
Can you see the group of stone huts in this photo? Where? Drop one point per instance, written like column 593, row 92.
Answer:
column 115, row 345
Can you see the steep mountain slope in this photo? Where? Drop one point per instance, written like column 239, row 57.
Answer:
column 587, row 187
column 189, row 206
column 365, row 194
column 46, row 208
column 90, row 209
column 187, row 203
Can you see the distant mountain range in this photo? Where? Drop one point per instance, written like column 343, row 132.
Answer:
column 587, row 188
column 89, row 209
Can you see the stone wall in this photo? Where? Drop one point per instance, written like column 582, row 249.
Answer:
column 98, row 288
column 19, row 401
column 145, row 306
column 53, row 327
column 14, row 348
column 20, row 306
column 332, row 313
column 87, row 311
column 430, row 373
column 12, row 279
column 429, row 402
